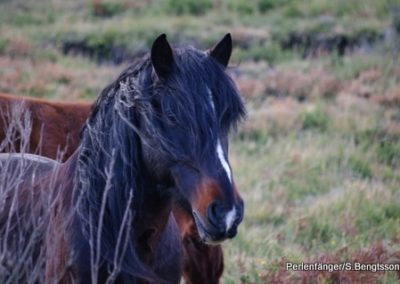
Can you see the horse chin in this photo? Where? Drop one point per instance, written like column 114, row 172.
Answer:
column 207, row 236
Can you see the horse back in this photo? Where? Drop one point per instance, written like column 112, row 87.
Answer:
column 23, row 215
column 54, row 126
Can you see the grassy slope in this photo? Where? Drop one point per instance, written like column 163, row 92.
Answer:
column 318, row 159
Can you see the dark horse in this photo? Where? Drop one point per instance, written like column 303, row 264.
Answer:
column 157, row 135
column 52, row 128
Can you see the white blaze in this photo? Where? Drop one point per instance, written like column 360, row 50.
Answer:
column 230, row 217
column 223, row 161
column 220, row 152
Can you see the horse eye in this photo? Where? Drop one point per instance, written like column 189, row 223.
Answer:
column 156, row 106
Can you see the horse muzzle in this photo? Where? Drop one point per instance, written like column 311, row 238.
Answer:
column 219, row 224
column 217, row 208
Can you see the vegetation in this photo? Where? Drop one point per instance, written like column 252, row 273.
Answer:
column 318, row 159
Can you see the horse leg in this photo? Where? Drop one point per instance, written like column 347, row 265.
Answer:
column 57, row 268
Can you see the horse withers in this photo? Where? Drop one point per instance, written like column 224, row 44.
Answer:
column 156, row 135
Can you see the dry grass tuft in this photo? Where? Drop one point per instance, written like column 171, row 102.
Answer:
column 391, row 98
column 275, row 114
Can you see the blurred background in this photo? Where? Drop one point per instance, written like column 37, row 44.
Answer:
column 318, row 159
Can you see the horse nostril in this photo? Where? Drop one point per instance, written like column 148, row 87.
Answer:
column 214, row 213
column 232, row 232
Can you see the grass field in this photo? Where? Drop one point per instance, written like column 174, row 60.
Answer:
column 318, row 159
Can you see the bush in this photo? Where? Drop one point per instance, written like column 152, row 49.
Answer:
column 3, row 44
column 388, row 152
column 316, row 231
column 266, row 5
column 107, row 9
column 242, row 7
column 192, row 7
column 315, row 119
column 391, row 211
column 271, row 52
column 27, row 19
column 360, row 167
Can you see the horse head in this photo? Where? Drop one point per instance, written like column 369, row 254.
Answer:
column 192, row 106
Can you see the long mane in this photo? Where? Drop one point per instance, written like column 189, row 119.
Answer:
column 109, row 181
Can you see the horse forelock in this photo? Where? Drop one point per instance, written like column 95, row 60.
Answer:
column 198, row 96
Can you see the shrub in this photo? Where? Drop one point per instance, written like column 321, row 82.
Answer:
column 388, row 152
column 242, row 7
column 391, row 211
column 271, row 52
column 266, row 5
column 315, row 119
column 360, row 167
column 192, row 7
column 315, row 231
column 3, row 44
column 107, row 9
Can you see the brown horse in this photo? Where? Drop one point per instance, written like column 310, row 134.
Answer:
column 55, row 126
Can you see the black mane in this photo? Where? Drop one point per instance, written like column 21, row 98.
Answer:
column 110, row 158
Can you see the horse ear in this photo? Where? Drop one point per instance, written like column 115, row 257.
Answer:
column 222, row 51
column 162, row 56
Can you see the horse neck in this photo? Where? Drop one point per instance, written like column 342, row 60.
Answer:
column 152, row 219
column 110, row 169
column 66, row 176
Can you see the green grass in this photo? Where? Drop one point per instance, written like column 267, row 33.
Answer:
column 313, row 192
column 315, row 119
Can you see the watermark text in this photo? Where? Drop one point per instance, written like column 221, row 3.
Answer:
column 344, row 266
